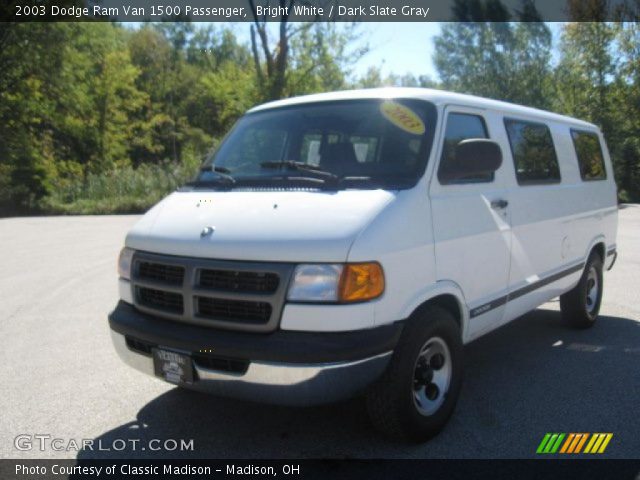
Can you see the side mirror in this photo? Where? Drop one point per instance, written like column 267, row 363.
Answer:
column 473, row 157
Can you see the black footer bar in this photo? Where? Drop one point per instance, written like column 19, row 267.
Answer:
column 596, row 469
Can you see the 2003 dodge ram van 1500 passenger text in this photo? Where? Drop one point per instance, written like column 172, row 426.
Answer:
column 352, row 242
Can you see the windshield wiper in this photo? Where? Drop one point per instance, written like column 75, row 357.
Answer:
column 360, row 179
column 222, row 172
column 301, row 167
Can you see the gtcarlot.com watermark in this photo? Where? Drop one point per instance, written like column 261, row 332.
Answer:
column 45, row 442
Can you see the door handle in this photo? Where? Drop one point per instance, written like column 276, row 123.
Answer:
column 499, row 204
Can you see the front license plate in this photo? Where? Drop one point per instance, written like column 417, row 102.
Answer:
column 172, row 366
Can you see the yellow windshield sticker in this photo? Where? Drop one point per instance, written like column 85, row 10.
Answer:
column 402, row 117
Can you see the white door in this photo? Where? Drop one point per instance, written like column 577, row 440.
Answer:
column 471, row 223
column 548, row 205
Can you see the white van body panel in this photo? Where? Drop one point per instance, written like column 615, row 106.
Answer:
column 431, row 240
column 441, row 288
column 400, row 238
column 473, row 240
column 328, row 318
column 555, row 227
column 285, row 226
column 207, row 273
column 546, row 230
column 437, row 97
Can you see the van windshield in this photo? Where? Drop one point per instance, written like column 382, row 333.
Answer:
column 342, row 144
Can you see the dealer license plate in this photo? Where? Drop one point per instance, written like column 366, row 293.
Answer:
column 172, row 366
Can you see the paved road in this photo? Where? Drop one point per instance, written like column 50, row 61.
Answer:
column 60, row 376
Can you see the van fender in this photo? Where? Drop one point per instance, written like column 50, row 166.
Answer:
column 593, row 243
column 441, row 287
column 609, row 254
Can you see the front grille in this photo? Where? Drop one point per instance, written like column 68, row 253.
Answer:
column 239, row 281
column 221, row 309
column 138, row 345
column 204, row 360
column 170, row 274
column 159, row 299
column 233, row 295
column 210, row 362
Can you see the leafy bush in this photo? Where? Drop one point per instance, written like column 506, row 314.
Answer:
column 123, row 190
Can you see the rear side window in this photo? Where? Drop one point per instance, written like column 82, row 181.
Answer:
column 589, row 155
column 460, row 126
column 534, row 154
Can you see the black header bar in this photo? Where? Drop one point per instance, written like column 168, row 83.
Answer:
column 318, row 10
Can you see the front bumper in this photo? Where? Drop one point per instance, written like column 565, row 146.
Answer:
column 283, row 367
column 612, row 256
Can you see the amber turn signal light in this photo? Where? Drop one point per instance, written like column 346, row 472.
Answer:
column 360, row 282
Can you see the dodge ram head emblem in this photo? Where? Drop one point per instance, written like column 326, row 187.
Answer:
column 207, row 231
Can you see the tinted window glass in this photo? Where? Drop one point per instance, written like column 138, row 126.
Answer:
column 460, row 126
column 257, row 144
column 534, row 154
column 589, row 154
column 366, row 143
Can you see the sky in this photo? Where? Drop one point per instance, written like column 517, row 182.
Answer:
column 400, row 48
column 397, row 48
column 408, row 47
column 394, row 47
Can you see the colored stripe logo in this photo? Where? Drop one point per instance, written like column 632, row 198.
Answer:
column 574, row 443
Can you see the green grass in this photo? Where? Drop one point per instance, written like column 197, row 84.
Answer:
column 126, row 190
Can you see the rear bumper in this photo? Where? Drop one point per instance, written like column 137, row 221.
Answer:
column 288, row 368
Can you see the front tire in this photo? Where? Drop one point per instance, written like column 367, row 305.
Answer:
column 581, row 305
column 416, row 395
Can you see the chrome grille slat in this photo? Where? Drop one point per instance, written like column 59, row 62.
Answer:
column 159, row 286
column 234, row 295
column 254, row 297
column 238, row 281
column 160, row 299
column 242, row 311
column 161, row 273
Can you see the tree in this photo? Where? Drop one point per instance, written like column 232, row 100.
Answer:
column 285, row 53
column 598, row 79
column 321, row 58
column 483, row 53
column 29, row 76
column 373, row 78
column 627, row 102
column 586, row 67
column 271, row 61
column 120, row 104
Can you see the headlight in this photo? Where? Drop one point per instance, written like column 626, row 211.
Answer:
column 315, row 283
column 351, row 282
column 124, row 263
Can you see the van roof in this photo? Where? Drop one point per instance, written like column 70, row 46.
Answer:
column 438, row 97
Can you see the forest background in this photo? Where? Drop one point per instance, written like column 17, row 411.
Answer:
column 108, row 118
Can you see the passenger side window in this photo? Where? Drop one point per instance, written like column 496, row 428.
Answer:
column 460, row 126
column 534, row 154
column 589, row 155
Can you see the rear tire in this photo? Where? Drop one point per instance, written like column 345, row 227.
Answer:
column 417, row 394
column 581, row 305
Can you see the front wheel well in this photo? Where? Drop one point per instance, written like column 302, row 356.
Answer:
column 599, row 248
column 447, row 302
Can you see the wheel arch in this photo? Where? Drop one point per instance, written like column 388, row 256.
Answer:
column 446, row 295
column 598, row 245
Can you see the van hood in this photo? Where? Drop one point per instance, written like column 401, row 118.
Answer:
column 287, row 226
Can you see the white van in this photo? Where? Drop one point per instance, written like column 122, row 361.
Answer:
column 352, row 242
